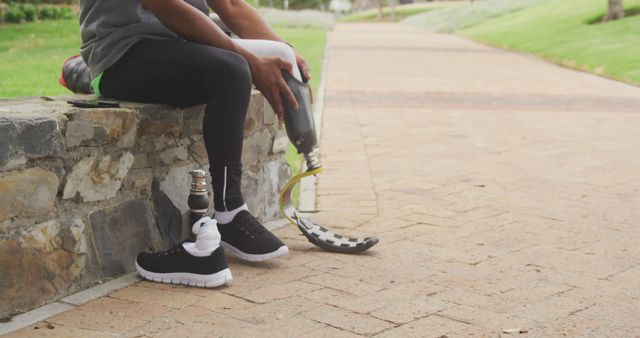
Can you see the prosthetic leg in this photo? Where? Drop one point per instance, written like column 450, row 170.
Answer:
column 301, row 131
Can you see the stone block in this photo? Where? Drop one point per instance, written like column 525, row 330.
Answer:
column 31, row 192
column 35, row 266
column 156, row 120
column 170, row 200
column 95, row 127
column 40, row 137
column 185, row 141
column 199, row 152
column 280, row 142
column 97, row 178
column 120, row 232
column 79, row 132
column 14, row 163
column 262, row 189
column 269, row 116
column 140, row 161
column 192, row 123
column 254, row 120
column 138, row 179
column 171, row 155
column 74, row 239
column 7, row 132
column 163, row 142
column 32, row 137
column 256, row 147
column 170, row 219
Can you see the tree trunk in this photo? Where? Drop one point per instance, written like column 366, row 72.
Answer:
column 380, row 9
column 616, row 10
column 3, row 9
column 392, row 5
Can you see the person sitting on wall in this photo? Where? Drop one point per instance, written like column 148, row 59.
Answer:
column 171, row 52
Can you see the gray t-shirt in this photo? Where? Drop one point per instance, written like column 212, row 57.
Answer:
column 110, row 27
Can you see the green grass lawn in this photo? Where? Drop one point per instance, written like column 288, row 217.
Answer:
column 310, row 43
column 462, row 14
column 558, row 30
column 372, row 14
column 31, row 54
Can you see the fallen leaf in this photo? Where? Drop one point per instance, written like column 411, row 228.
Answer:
column 511, row 331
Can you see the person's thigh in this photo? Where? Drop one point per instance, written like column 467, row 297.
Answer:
column 170, row 71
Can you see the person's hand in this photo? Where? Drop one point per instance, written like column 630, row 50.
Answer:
column 306, row 72
column 304, row 67
column 266, row 73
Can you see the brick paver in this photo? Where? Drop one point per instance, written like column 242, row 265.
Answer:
column 504, row 189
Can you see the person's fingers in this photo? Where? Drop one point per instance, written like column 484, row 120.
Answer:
column 302, row 64
column 288, row 94
column 277, row 103
column 285, row 65
column 306, row 70
column 280, row 116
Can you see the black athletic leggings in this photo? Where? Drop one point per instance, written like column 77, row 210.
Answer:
column 185, row 74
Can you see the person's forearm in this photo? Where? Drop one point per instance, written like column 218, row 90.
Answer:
column 247, row 23
column 193, row 25
column 244, row 20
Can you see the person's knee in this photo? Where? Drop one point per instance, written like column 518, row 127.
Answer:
column 238, row 72
column 228, row 73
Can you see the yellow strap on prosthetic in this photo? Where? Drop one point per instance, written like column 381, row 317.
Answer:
column 287, row 206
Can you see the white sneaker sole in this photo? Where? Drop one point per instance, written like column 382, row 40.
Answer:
column 203, row 281
column 283, row 250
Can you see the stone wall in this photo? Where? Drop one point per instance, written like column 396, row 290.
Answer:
column 82, row 191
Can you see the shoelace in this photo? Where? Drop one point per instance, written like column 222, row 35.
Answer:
column 171, row 251
column 250, row 225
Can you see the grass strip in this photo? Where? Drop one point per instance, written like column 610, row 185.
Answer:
column 560, row 31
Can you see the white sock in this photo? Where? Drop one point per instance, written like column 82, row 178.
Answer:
column 207, row 238
column 224, row 217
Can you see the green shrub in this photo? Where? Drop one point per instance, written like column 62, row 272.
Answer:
column 65, row 13
column 17, row 13
column 37, row 2
column 14, row 14
column 30, row 11
column 48, row 13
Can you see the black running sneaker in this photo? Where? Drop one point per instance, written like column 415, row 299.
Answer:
column 249, row 240
column 178, row 266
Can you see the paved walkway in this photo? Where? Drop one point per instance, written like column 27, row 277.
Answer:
column 505, row 191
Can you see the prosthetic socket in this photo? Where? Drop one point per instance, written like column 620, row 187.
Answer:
column 300, row 125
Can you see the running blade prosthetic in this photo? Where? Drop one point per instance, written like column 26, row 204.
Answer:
column 315, row 233
column 302, row 133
